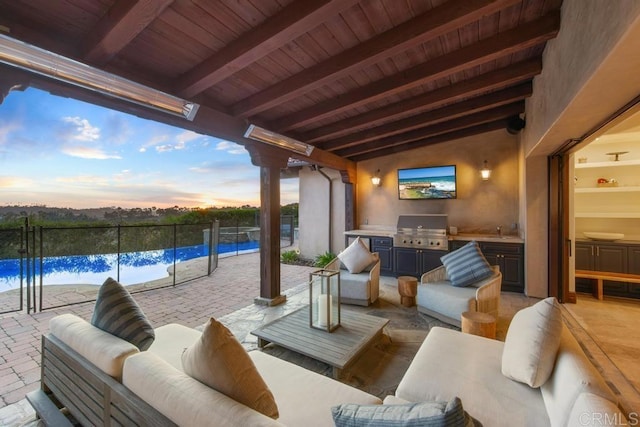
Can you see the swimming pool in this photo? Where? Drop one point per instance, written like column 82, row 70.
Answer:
column 135, row 267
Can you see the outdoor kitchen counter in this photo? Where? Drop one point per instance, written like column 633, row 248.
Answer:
column 487, row 238
column 386, row 232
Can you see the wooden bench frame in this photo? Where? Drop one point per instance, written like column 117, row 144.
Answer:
column 601, row 276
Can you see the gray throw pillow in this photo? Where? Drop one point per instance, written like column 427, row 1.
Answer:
column 466, row 266
column 422, row 414
column 116, row 312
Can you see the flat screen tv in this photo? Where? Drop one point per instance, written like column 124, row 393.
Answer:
column 429, row 182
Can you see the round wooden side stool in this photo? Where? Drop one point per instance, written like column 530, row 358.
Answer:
column 408, row 289
column 476, row 323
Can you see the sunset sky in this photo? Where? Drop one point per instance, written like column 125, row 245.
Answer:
column 61, row 152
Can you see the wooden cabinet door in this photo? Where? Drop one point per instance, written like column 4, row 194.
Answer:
column 406, row 262
column 512, row 268
column 611, row 258
column 633, row 255
column 429, row 260
column 585, row 256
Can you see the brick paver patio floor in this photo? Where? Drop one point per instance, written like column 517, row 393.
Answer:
column 234, row 285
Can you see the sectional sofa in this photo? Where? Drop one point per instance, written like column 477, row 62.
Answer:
column 103, row 380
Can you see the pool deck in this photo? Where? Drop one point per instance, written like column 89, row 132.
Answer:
column 232, row 286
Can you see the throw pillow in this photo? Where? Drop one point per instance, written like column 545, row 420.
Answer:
column 116, row 312
column 218, row 360
column 423, row 414
column 532, row 343
column 356, row 257
column 466, row 266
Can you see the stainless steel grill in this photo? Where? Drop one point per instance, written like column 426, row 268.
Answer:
column 428, row 231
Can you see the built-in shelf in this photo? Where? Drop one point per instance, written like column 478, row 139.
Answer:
column 607, row 215
column 608, row 164
column 622, row 189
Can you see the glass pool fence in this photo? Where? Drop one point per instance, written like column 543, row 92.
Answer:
column 48, row 267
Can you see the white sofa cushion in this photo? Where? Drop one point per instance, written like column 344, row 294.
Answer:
column 183, row 399
column 104, row 350
column 218, row 360
column 572, row 375
column 450, row 363
column 171, row 341
column 450, row 301
column 354, row 286
column 356, row 257
column 305, row 398
column 591, row 410
column 532, row 343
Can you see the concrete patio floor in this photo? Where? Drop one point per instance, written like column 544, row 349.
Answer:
column 228, row 295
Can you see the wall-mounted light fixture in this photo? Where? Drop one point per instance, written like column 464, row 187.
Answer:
column 375, row 179
column 263, row 135
column 31, row 58
column 485, row 172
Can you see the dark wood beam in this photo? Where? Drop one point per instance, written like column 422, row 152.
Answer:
column 503, row 44
column 295, row 19
column 484, row 83
column 458, row 134
column 449, row 112
column 428, row 26
column 124, row 21
column 503, row 112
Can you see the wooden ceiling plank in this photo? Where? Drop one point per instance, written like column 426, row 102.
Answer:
column 502, row 112
column 458, row 134
column 503, row 44
column 473, row 105
column 293, row 21
column 124, row 21
column 484, row 83
column 436, row 22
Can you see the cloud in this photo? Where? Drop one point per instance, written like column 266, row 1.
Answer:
column 87, row 152
column 231, row 147
column 7, row 129
column 84, row 131
column 14, row 182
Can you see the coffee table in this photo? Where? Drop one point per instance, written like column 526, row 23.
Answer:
column 338, row 349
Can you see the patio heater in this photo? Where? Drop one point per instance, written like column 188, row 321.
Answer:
column 324, row 300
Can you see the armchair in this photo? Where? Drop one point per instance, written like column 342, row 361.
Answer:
column 358, row 288
column 438, row 298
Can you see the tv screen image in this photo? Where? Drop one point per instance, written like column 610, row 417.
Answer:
column 429, row 182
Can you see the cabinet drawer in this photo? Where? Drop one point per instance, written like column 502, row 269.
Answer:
column 381, row 241
column 501, row 248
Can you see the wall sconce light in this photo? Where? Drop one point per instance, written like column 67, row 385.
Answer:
column 375, row 179
column 485, row 172
column 31, row 58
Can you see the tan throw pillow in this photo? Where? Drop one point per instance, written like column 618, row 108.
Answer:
column 356, row 257
column 218, row 360
column 532, row 343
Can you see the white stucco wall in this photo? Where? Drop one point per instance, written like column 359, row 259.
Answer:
column 315, row 220
column 590, row 71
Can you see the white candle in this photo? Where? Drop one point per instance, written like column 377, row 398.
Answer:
column 322, row 309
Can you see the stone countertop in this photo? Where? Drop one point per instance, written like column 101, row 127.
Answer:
column 487, row 238
column 372, row 232
column 389, row 232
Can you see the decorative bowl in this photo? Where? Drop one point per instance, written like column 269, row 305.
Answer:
column 609, row 237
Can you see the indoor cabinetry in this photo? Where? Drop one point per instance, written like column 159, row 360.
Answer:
column 615, row 257
column 509, row 257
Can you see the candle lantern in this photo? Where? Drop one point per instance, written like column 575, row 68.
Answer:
column 324, row 300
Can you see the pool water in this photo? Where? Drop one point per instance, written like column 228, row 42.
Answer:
column 135, row 267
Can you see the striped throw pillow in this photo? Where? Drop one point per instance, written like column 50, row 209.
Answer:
column 466, row 265
column 116, row 312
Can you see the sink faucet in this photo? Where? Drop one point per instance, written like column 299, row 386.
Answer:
column 499, row 230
